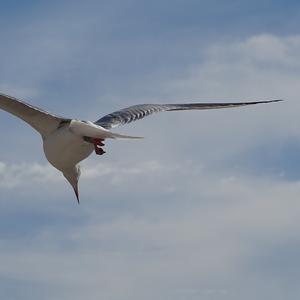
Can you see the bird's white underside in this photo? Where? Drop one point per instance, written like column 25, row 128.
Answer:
column 66, row 147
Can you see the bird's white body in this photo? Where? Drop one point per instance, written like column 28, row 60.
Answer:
column 64, row 149
column 66, row 142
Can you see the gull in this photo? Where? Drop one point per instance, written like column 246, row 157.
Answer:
column 67, row 141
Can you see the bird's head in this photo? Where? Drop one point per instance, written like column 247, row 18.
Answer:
column 72, row 175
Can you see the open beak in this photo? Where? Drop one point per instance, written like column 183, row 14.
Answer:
column 76, row 192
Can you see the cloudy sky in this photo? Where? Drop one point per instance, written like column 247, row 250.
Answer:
column 207, row 206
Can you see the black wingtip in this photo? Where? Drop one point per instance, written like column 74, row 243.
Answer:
column 267, row 101
column 264, row 101
column 276, row 100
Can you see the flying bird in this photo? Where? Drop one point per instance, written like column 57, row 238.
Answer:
column 68, row 141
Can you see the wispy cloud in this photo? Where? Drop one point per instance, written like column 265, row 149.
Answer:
column 13, row 175
column 244, row 216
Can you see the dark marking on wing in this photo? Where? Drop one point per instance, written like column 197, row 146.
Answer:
column 64, row 123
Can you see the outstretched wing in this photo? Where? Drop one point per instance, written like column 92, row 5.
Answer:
column 42, row 121
column 138, row 112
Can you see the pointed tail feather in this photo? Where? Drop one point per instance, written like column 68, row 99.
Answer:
column 88, row 129
column 122, row 136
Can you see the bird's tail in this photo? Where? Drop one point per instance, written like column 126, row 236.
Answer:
column 122, row 136
column 89, row 129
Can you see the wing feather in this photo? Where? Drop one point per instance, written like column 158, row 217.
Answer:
column 43, row 121
column 137, row 112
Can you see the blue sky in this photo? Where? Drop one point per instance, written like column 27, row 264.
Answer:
column 206, row 207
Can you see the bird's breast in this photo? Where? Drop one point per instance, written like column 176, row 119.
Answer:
column 63, row 149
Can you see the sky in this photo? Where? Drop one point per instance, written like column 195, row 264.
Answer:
column 207, row 205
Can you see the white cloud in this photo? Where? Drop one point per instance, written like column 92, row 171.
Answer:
column 201, row 247
column 260, row 50
column 261, row 66
column 13, row 175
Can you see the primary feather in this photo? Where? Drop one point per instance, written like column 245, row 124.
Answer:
column 138, row 112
